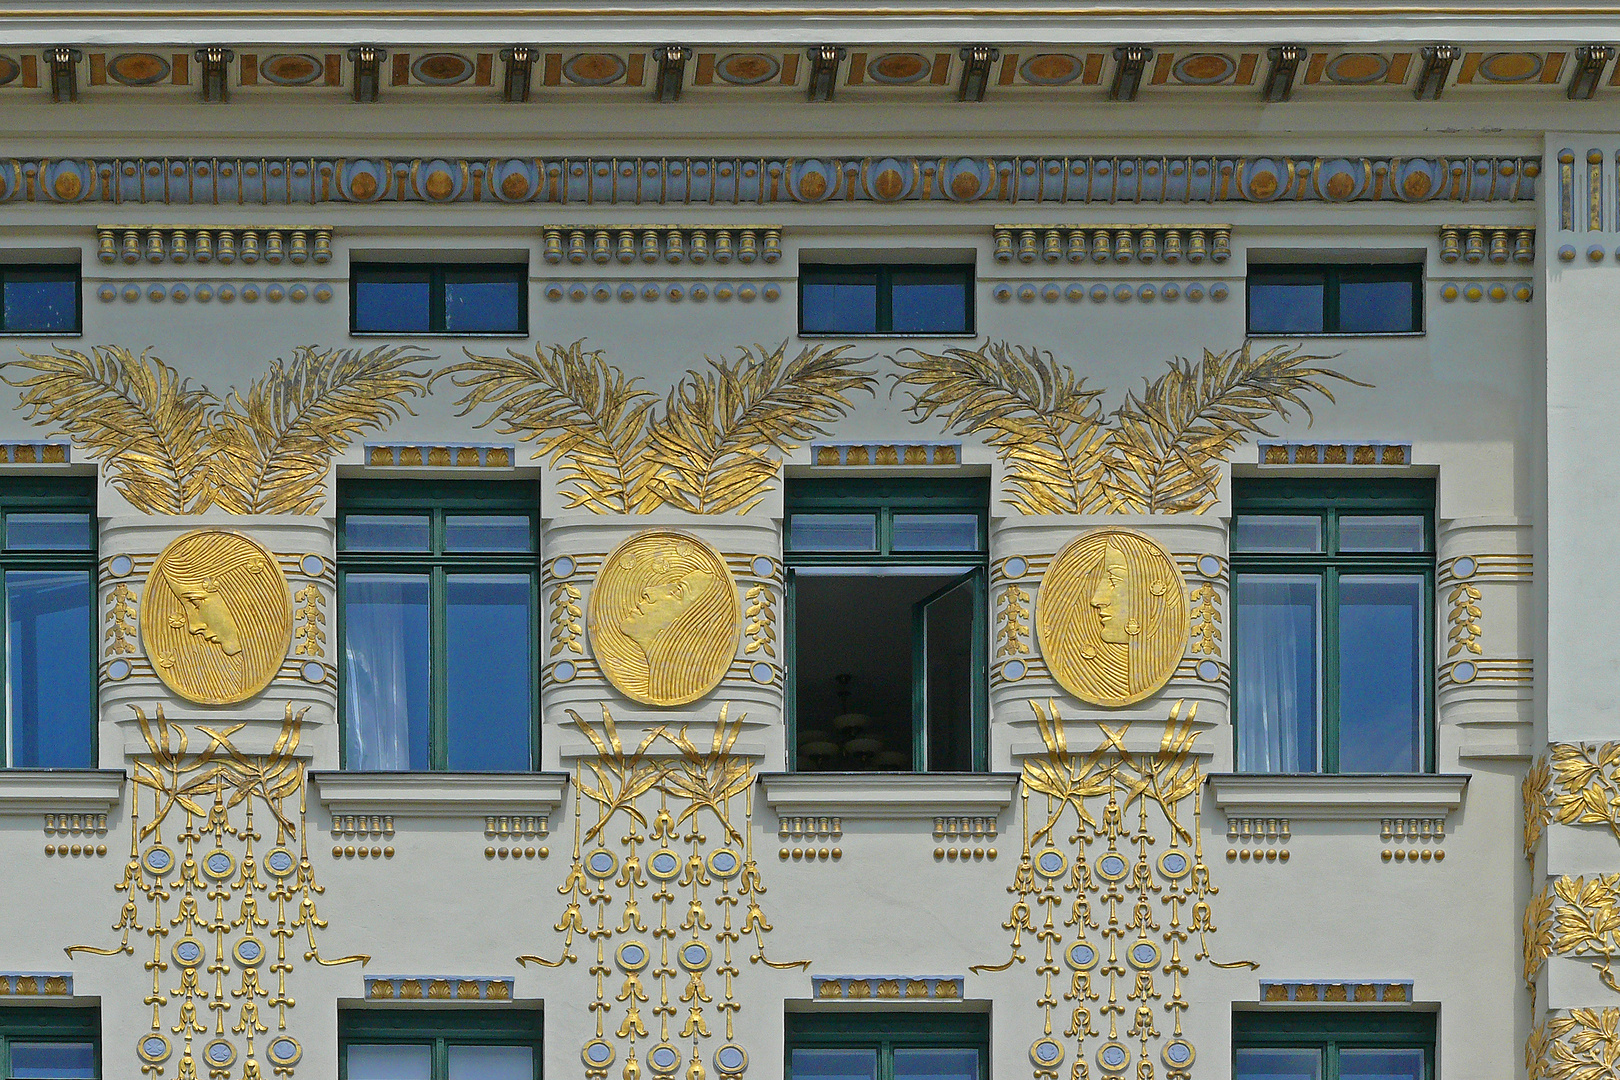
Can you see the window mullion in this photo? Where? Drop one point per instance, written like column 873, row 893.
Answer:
column 1330, row 300
column 885, row 300
column 438, row 658
column 436, row 300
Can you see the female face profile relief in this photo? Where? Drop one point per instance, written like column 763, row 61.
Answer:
column 217, row 620
column 1111, row 614
column 664, row 618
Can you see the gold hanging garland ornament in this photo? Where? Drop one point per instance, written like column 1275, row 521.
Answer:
column 664, row 618
column 1112, row 617
column 217, row 617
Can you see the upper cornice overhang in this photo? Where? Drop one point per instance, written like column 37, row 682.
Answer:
column 802, row 22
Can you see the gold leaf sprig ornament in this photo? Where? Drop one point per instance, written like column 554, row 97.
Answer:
column 170, row 448
column 714, row 448
column 1159, row 452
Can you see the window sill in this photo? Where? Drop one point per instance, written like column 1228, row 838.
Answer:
column 943, row 336
column 74, row 791
column 418, row 334
column 440, row 794
column 1327, row 797
column 1341, row 334
column 888, row 795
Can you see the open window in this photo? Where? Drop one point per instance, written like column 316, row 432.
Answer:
column 887, row 607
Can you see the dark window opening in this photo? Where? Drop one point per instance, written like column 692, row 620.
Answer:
column 1333, row 1046
column 441, row 1044
column 885, row 299
column 1324, row 299
column 887, row 1046
column 887, row 586
column 64, row 1043
column 1332, row 601
column 40, row 300
column 456, row 298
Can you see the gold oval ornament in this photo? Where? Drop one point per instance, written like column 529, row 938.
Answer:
column 664, row 618
column 216, row 618
column 1112, row 617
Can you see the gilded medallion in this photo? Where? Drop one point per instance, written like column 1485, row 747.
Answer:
column 216, row 619
column 664, row 618
column 1112, row 617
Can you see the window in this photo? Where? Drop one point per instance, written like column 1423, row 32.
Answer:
column 444, row 1044
column 887, row 1046
column 886, row 583
column 1366, row 299
column 861, row 299
column 39, row 299
column 48, row 557
column 1333, row 1046
column 456, row 298
column 64, row 1043
column 438, row 624
column 1332, row 595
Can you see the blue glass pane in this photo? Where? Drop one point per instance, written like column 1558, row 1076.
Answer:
column 936, row 1065
column 929, row 307
column 56, row 1061
column 391, row 306
column 1380, row 673
column 390, row 1062
column 1388, row 532
column 491, row 1063
column 483, row 307
column 1276, row 662
column 1285, row 307
column 1376, row 307
column 41, row 307
column 832, row 532
column 488, row 671
column 1404, row 1064
column 834, row 1065
column 1269, row 1064
column 385, row 671
column 936, row 532
column 385, row 532
column 487, row 532
column 828, row 308
column 1276, row 532
column 49, row 656
column 49, row 532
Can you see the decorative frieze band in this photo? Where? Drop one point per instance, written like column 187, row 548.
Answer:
column 36, row 984
column 1121, row 243
column 672, row 244
column 1364, row 992
column 166, row 243
column 1335, row 454
column 886, row 453
column 702, row 181
column 438, row 988
column 898, row 987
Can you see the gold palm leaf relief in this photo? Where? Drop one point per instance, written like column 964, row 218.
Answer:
column 578, row 410
column 713, row 444
column 1165, row 444
column 134, row 414
column 274, row 442
column 1037, row 415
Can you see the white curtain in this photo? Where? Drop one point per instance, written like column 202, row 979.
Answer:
column 377, row 670
column 1275, row 661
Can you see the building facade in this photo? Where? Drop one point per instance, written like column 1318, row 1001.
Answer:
column 896, row 543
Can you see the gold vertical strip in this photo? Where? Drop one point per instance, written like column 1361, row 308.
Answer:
column 1594, row 191
column 705, row 69
column 98, row 69
column 790, row 69
column 1313, row 73
column 1566, row 190
column 402, row 68
column 941, row 70
column 1245, row 71
column 30, row 71
column 1161, row 68
column 1552, row 68
column 250, row 69
column 1009, row 69
column 1094, row 64
column 857, row 69
column 1470, row 67
column 638, row 66
column 1397, row 69
column 334, row 69
column 553, row 76
column 485, row 69
column 180, row 69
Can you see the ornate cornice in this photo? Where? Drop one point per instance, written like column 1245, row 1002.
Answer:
column 702, row 181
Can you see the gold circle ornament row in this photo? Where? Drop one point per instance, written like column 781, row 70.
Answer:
column 216, row 619
column 664, row 618
column 1112, row 617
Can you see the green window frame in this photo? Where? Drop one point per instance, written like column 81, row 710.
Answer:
column 33, row 273
column 1332, row 277
column 1327, row 503
column 438, row 501
column 440, row 1029
column 439, row 277
column 882, row 500
column 22, row 1025
column 883, row 278
column 65, row 495
column 884, row 1032
column 1331, row 1032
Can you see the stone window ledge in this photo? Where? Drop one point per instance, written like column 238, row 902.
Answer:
column 1319, row 797
column 888, row 795
column 440, row 794
column 73, row 791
